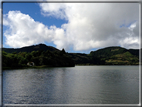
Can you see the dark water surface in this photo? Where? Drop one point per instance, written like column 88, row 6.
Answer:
column 72, row 85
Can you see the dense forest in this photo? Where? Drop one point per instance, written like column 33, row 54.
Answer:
column 39, row 58
column 42, row 55
column 107, row 56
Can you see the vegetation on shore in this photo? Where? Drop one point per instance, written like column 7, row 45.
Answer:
column 107, row 56
column 40, row 58
column 47, row 56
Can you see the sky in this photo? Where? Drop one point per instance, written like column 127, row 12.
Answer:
column 76, row 27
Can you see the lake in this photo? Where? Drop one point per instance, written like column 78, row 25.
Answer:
column 72, row 85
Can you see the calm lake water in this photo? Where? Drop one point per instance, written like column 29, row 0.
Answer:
column 72, row 85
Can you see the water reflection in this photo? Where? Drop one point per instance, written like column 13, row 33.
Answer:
column 75, row 85
column 115, row 85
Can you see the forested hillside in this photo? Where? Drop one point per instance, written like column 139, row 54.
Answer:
column 39, row 58
column 31, row 48
column 107, row 56
column 42, row 55
column 117, row 56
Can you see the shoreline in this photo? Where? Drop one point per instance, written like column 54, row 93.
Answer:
column 27, row 67
column 47, row 66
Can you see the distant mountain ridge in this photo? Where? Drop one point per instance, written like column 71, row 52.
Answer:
column 112, row 49
column 113, row 55
column 117, row 56
column 37, row 55
column 30, row 48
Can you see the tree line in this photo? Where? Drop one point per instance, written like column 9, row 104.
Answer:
column 40, row 57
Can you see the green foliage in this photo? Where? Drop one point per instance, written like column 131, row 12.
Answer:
column 106, row 56
column 63, row 51
column 28, row 56
column 39, row 58
column 125, row 58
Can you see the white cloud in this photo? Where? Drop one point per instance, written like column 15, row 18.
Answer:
column 90, row 25
column 53, row 10
column 132, row 26
column 97, row 24
column 24, row 31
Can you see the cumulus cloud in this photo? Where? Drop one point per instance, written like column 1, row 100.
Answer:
column 97, row 24
column 24, row 31
column 90, row 25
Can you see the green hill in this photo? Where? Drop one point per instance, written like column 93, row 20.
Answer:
column 108, row 56
column 40, row 55
column 30, row 48
column 50, row 56
column 117, row 56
